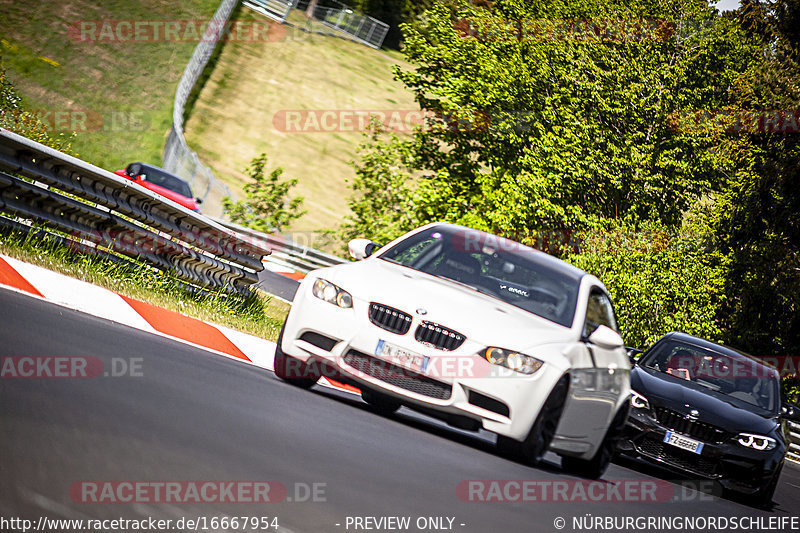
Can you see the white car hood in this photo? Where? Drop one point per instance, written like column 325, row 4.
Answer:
column 481, row 318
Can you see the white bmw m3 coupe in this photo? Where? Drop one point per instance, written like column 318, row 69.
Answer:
column 477, row 330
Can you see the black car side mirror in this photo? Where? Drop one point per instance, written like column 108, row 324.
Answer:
column 633, row 354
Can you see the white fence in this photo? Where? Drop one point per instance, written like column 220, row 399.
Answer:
column 178, row 158
column 274, row 9
column 357, row 26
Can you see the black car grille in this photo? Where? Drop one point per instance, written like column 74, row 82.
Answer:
column 398, row 376
column 438, row 336
column 677, row 458
column 697, row 430
column 389, row 318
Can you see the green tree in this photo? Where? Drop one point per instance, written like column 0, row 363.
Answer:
column 660, row 279
column 383, row 184
column 267, row 207
column 394, row 13
column 541, row 125
column 757, row 216
column 562, row 127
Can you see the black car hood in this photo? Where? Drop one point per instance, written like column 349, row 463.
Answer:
column 729, row 414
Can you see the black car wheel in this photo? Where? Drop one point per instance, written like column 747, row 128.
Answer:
column 293, row 370
column 596, row 466
column 536, row 444
column 763, row 498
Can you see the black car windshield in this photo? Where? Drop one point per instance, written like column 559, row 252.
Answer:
column 729, row 374
column 498, row 267
column 168, row 181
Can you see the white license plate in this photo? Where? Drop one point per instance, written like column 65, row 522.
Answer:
column 684, row 443
column 402, row 357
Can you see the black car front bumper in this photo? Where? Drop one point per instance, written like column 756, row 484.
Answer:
column 735, row 467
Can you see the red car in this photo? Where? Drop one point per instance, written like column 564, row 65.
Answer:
column 161, row 182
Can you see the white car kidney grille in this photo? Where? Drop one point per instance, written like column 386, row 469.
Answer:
column 389, row 318
column 398, row 376
column 438, row 336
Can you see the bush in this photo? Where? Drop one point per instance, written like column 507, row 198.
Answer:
column 267, row 207
column 659, row 280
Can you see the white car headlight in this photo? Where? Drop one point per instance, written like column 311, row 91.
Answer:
column 325, row 290
column 757, row 442
column 638, row 401
column 518, row 362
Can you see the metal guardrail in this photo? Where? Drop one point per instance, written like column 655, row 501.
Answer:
column 794, row 437
column 285, row 252
column 178, row 158
column 99, row 209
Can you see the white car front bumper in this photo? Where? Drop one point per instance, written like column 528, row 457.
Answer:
column 458, row 383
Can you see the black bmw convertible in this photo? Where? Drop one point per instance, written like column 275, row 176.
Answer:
column 708, row 411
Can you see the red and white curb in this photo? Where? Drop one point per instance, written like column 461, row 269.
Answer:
column 39, row 282
column 283, row 270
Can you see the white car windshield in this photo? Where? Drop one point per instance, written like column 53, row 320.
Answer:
column 498, row 267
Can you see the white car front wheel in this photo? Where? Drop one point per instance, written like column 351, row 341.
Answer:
column 536, row 444
column 291, row 370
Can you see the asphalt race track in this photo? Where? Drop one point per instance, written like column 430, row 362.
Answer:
column 188, row 415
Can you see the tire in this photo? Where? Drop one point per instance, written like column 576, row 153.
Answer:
column 536, row 444
column 292, row 370
column 595, row 467
column 763, row 498
column 380, row 403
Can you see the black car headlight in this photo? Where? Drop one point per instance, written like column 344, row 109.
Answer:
column 518, row 362
column 757, row 442
column 325, row 290
column 638, row 401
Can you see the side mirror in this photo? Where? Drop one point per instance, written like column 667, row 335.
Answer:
column 362, row 248
column 633, row 354
column 607, row 338
column 198, row 200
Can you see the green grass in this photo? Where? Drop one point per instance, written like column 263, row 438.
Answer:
column 258, row 314
column 232, row 119
column 117, row 81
